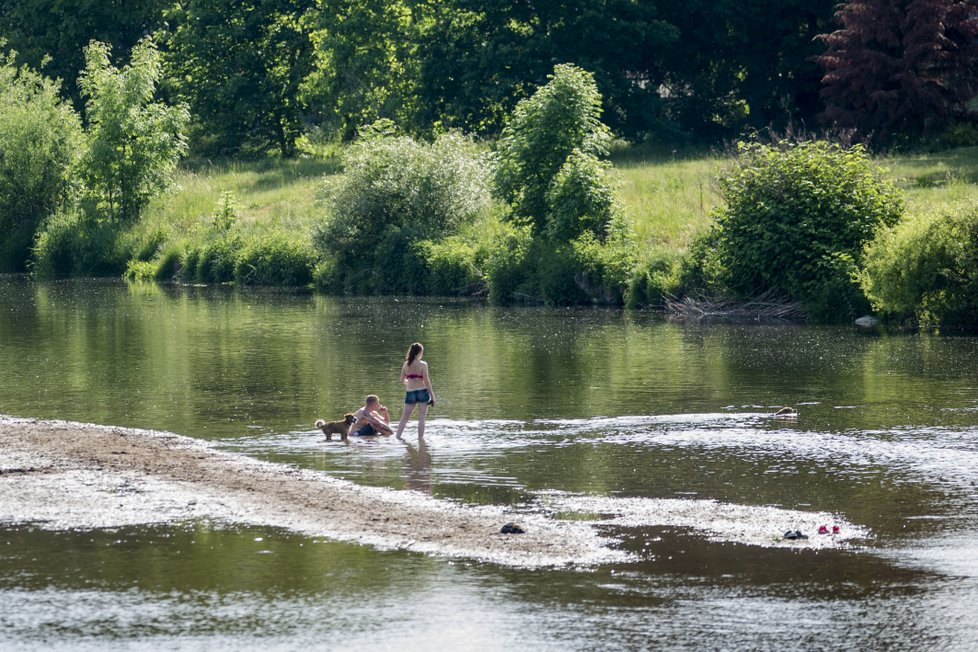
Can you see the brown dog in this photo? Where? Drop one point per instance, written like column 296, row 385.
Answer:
column 341, row 427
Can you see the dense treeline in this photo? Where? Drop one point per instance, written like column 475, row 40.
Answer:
column 473, row 142
column 258, row 74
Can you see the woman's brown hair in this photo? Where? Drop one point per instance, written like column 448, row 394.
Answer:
column 413, row 352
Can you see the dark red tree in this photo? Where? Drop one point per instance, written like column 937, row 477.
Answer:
column 900, row 67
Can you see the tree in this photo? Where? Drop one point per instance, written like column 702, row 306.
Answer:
column 40, row 137
column 900, row 66
column 239, row 64
column 562, row 118
column 364, row 65
column 133, row 143
column 477, row 60
column 738, row 64
column 50, row 35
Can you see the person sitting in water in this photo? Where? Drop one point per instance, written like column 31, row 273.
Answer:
column 372, row 419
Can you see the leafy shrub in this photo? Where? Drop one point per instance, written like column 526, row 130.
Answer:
column 450, row 266
column 134, row 143
column 71, row 245
column 654, row 278
column 604, row 269
column 274, row 260
column 545, row 129
column 40, row 137
column 508, row 266
column 396, row 192
column 927, row 266
column 581, row 200
column 795, row 221
column 213, row 261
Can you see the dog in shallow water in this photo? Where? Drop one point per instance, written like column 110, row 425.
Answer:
column 341, row 427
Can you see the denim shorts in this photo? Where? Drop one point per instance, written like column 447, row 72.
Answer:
column 417, row 396
column 365, row 431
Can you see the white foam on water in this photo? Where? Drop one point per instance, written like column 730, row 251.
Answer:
column 757, row 525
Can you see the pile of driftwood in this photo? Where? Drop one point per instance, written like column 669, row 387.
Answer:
column 763, row 308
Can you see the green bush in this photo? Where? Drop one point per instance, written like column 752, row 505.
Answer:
column 212, row 261
column 794, row 223
column 508, row 266
column 561, row 117
column 70, row 245
column 451, row 267
column 396, row 192
column 274, row 260
column 654, row 278
column 582, row 200
column 927, row 266
column 40, row 137
column 605, row 269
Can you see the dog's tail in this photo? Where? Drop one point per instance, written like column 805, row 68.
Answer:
column 320, row 423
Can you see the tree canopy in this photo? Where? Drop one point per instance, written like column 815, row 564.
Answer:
column 257, row 74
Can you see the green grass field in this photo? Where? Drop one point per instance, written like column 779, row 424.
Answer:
column 667, row 198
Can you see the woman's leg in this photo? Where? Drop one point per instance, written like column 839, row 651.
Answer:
column 422, row 411
column 405, row 415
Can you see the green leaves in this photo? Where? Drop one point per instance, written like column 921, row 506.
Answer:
column 795, row 221
column 561, row 118
column 133, row 143
column 40, row 137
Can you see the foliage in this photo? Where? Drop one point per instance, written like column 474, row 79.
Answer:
column 133, row 143
column 927, row 266
column 476, row 60
column 277, row 260
column 562, row 117
column 581, row 200
column 900, row 67
column 396, row 192
column 654, row 278
column 362, row 66
column 737, row 65
column 795, row 221
column 40, row 136
column 239, row 65
column 451, row 266
column 50, row 35
column 70, row 245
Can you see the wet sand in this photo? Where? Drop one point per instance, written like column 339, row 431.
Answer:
column 69, row 475
column 63, row 475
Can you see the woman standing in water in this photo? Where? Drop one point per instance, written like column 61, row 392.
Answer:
column 414, row 374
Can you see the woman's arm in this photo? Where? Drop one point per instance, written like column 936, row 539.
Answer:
column 427, row 381
column 404, row 379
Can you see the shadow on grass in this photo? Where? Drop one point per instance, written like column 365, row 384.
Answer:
column 270, row 173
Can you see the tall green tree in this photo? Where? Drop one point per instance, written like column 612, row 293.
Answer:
column 239, row 64
column 40, row 138
column 134, row 143
column 50, row 35
column 364, row 66
column 560, row 120
column 478, row 59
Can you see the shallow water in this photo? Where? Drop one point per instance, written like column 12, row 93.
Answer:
column 587, row 414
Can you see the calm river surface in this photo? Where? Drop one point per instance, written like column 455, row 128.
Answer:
column 589, row 402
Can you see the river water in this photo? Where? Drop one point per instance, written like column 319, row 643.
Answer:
column 587, row 407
